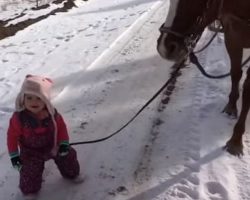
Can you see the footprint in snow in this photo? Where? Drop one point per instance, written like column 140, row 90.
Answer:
column 81, row 30
column 59, row 38
column 217, row 190
column 29, row 53
column 188, row 191
column 88, row 35
column 6, row 110
column 122, row 190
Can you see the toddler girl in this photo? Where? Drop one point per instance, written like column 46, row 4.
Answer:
column 37, row 133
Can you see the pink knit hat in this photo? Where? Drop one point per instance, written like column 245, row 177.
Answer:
column 40, row 87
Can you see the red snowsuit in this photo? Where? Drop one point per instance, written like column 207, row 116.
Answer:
column 33, row 139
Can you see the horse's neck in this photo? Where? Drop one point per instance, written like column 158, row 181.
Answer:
column 239, row 20
column 239, row 9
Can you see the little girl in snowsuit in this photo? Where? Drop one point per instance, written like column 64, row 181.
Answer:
column 37, row 132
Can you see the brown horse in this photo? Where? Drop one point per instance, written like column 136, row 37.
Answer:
column 185, row 23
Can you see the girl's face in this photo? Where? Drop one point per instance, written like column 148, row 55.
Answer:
column 33, row 103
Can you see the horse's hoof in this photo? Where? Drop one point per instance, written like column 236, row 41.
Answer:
column 231, row 111
column 234, row 148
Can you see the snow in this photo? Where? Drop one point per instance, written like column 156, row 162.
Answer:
column 103, row 60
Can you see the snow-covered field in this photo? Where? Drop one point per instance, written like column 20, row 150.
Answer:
column 103, row 60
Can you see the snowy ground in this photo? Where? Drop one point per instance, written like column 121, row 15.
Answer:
column 103, row 60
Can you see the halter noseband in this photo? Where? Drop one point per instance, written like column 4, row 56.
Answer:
column 164, row 29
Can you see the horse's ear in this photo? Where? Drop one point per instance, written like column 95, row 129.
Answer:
column 48, row 79
column 28, row 76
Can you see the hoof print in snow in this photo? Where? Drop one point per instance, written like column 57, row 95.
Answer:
column 104, row 175
column 114, row 71
column 122, row 190
column 83, row 125
column 112, row 193
column 170, row 88
column 160, row 109
column 165, row 100
column 108, row 82
column 2, row 183
column 158, row 122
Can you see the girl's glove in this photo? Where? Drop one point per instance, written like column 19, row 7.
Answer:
column 63, row 149
column 16, row 162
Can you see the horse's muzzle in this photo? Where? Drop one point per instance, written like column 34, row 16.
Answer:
column 171, row 50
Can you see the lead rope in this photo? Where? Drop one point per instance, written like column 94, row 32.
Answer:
column 193, row 59
column 177, row 67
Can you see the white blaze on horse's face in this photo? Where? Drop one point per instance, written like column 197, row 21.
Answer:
column 168, row 23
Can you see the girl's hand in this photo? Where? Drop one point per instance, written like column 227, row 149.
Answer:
column 16, row 162
column 63, row 150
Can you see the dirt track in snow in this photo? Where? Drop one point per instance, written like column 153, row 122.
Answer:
column 12, row 29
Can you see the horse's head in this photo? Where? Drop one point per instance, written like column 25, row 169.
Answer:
column 184, row 25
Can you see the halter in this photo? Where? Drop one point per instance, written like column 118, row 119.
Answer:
column 192, row 36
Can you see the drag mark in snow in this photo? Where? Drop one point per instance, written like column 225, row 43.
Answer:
column 143, row 171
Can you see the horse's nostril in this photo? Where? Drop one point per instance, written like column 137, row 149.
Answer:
column 172, row 47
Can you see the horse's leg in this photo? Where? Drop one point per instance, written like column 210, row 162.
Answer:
column 235, row 145
column 235, row 53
